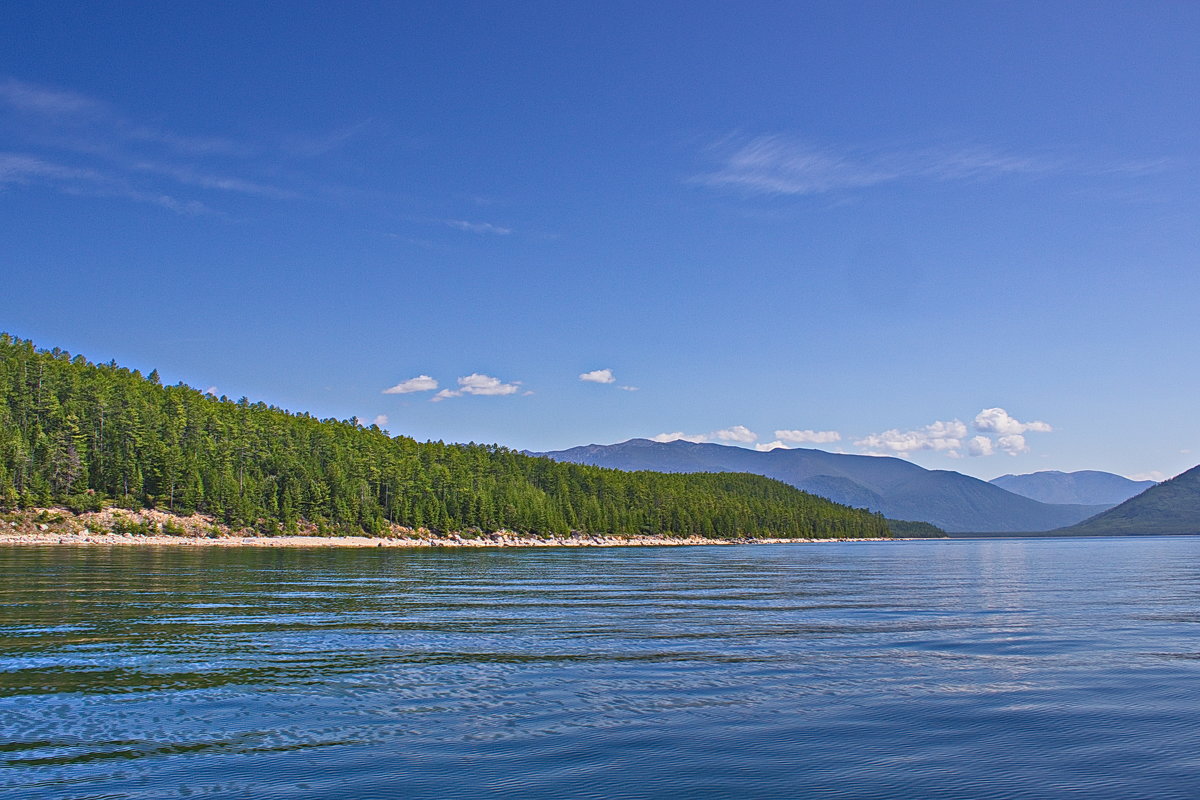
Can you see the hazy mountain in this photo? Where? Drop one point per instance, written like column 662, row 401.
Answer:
column 896, row 488
column 1169, row 507
column 1086, row 487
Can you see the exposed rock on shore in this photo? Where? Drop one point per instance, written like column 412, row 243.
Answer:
column 118, row 527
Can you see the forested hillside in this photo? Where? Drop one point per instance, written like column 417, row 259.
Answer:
column 84, row 435
column 895, row 487
column 1170, row 507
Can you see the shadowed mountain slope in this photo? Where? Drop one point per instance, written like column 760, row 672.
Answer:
column 894, row 487
column 1085, row 487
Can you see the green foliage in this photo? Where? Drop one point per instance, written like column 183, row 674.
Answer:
column 1171, row 507
column 87, row 435
column 47, row 518
column 123, row 524
column 907, row 529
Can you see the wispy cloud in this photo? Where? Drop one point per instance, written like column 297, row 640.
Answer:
column 785, row 165
column 83, row 146
column 313, row 145
column 25, row 169
column 225, row 183
column 91, row 125
column 478, row 227
column 42, row 100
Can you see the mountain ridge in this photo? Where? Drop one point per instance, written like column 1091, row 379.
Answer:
column 1082, row 487
column 892, row 486
column 1170, row 507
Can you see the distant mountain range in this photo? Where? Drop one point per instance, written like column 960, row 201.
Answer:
column 894, row 487
column 1169, row 507
column 1086, row 487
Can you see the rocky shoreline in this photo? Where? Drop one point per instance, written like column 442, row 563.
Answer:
column 117, row 527
column 126, row 539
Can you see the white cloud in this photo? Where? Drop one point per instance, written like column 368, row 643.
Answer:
column 679, row 436
column 476, row 383
column 1008, row 430
column 421, row 383
column 1152, row 475
column 598, row 376
column 478, row 227
column 480, row 385
column 809, row 437
column 997, row 420
column 940, row 436
column 380, row 420
column 768, row 446
column 1013, row 444
column 980, row 446
column 738, row 433
column 628, row 388
column 211, row 390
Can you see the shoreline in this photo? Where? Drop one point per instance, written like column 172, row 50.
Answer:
column 113, row 527
column 43, row 538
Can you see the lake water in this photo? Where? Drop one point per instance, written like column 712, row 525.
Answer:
column 1020, row 668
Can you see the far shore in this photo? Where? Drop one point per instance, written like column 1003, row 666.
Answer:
column 113, row 527
column 158, row 540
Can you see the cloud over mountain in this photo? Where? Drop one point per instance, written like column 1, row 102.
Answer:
column 808, row 436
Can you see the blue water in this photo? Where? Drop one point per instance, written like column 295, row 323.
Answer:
column 1022, row 668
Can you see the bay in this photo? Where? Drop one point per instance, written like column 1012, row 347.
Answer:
column 1001, row 668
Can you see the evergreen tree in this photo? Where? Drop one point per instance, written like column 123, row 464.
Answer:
column 82, row 435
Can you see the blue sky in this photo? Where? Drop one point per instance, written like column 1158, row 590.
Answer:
column 966, row 233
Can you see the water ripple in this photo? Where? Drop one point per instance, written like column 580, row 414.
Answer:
column 982, row 669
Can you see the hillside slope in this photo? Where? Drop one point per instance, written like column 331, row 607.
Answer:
column 87, row 436
column 896, row 488
column 1169, row 507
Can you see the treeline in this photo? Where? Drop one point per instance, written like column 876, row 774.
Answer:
column 86, row 435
